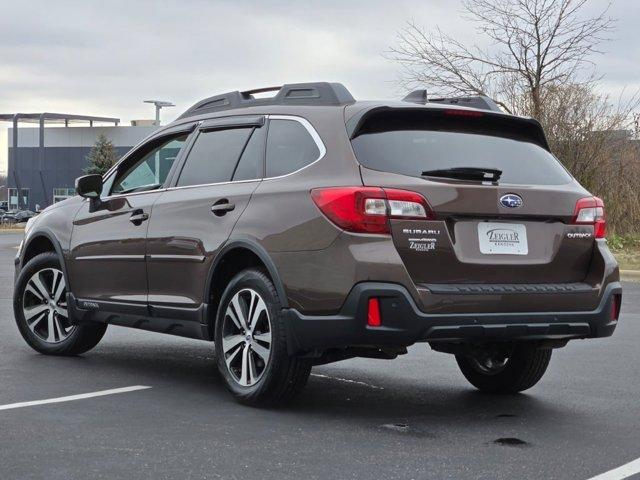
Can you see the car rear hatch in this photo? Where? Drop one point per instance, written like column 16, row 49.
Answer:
column 518, row 229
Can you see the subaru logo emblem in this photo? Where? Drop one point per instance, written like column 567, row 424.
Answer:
column 511, row 200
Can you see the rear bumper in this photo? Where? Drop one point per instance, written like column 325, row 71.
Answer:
column 403, row 323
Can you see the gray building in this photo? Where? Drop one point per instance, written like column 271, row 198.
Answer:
column 48, row 159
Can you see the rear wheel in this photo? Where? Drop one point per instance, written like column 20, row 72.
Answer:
column 505, row 372
column 251, row 343
column 41, row 313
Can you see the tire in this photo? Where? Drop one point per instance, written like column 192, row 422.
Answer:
column 523, row 369
column 269, row 382
column 44, row 323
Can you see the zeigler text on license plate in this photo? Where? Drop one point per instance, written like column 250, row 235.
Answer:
column 502, row 238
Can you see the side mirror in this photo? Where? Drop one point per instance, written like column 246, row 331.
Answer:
column 89, row 186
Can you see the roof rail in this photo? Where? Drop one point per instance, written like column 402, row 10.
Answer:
column 481, row 102
column 312, row 94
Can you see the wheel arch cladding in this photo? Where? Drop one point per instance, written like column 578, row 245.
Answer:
column 40, row 242
column 234, row 257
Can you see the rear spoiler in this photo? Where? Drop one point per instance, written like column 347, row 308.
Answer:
column 527, row 128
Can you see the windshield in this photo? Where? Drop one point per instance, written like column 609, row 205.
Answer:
column 413, row 149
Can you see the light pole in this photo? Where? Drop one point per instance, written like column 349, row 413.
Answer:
column 159, row 104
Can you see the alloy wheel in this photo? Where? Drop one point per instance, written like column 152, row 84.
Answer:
column 246, row 337
column 44, row 306
column 490, row 364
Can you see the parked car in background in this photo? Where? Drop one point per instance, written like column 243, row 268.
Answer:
column 309, row 228
column 17, row 216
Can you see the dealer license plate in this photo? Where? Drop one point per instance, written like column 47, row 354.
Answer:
column 502, row 238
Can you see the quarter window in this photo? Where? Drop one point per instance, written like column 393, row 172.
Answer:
column 290, row 147
column 214, row 156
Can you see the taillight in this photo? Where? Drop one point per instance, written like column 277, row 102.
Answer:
column 368, row 209
column 590, row 211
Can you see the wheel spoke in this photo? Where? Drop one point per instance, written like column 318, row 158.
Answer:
column 263, row 337
column 231, row 341
column 234, row 319
column 59, row 288
column 31, row 312
column 50, row 327
column 257, row 311
column 239, row 312
column 244, row 373
column 232, row 357
column 59, row 328
column 34, row 324
column 253, row 374
column 37, row 287
column 261, row 351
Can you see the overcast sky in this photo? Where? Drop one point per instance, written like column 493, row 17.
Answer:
column 105, row 57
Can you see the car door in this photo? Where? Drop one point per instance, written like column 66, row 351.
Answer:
column 195, row 216
column 106, row 264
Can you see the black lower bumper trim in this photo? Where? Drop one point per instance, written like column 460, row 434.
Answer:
column 506, row 288
column 403, row 323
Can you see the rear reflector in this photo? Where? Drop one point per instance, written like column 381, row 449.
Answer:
column 616, row 302
column 590, row 211
column 368, row 209
column 373, row 313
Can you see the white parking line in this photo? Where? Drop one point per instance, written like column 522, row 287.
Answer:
column 346, row 380
column 71, row 398
column 625, row 471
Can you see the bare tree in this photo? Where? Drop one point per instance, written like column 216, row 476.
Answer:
column 534, row 44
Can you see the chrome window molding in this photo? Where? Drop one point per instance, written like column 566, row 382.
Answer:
column 213, row 184
column 314, row 135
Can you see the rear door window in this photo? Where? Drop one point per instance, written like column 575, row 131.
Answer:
column 251, row 162
column 409, row 148
column 290, row 147
column 214, row 156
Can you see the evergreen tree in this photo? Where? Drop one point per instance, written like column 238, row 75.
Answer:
column 101, row 157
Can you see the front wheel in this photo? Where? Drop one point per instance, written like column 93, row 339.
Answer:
column 501, row 372
column 41, row 313
column 251, row 343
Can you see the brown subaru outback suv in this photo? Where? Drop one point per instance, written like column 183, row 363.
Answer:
column 308, row 228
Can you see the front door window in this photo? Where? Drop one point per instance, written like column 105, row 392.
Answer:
column 149, row 169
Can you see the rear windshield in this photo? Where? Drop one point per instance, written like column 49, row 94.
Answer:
column 411, row 146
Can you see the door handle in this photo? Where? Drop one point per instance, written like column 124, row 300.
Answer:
column 221, row 207
column 138, row 217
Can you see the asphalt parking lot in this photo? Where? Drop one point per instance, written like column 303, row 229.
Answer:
column 415, row 417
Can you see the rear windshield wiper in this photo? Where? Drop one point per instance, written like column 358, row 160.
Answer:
column 466, row 173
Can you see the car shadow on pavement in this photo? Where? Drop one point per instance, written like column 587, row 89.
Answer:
column 401, row 406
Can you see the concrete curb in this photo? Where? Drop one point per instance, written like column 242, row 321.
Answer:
column 630, row 275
